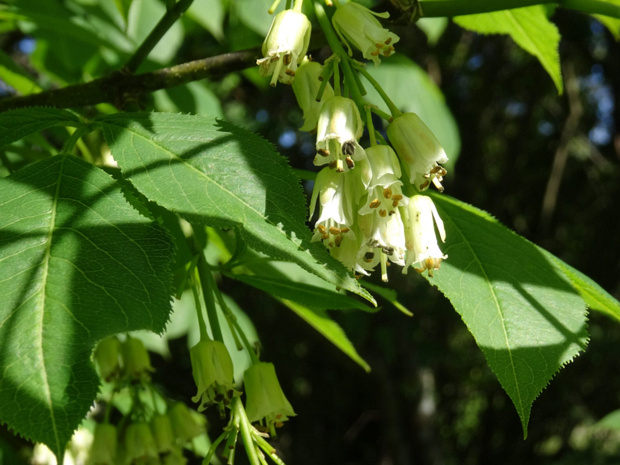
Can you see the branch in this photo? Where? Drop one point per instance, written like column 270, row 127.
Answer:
column 116, row 87
column 431, row 9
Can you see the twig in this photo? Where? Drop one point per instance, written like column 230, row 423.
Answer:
column 116, row 87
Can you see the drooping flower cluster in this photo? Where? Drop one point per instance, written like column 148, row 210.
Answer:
column 371, row 210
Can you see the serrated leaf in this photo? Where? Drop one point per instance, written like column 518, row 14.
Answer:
column 211, row 172
column 16, row 124
column 529, row 28
column 522, row 311
column 77, row 263
column 321, row 321
column 312, row 297
column 595, row 297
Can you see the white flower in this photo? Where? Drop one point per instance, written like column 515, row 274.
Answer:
column 356, row 25
column 285, row 46
column 339, row 128
column 419, row 149
column 306, row 87
column 420, row 217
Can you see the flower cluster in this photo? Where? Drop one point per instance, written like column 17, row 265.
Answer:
column 371, row 210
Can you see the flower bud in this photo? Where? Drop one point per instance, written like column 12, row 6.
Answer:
column 103, row 448
column 356, row 25
column 339, row 127
column 306, row 87
column 136, row 361
column 107, row 358
column 185, row 425
column 285, row 45
column 212, row 369
column 162, row 432
column 139, row 443
column 265, row 399
column 420, row 218
column 419, row 150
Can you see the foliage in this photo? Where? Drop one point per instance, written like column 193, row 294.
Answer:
column 107, row 213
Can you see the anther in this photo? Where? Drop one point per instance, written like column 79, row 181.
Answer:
column 350, row 162
column 375, row 53
column 388, row 41
column 338, row 240
column 387, row 192
column 383, row 213
column 286, row 59
column 332, row 165
column 290, row 72
column 334, row 230
column 375, row 203
column 323, row 152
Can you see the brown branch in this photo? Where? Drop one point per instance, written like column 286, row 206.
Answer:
column 117, row 86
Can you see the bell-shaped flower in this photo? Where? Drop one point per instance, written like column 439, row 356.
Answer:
column 358, row 26
column 420, row 218
column 384, row 238
column 306, row 88
column 419, row 150
column 136, row 361
column 139, row 443
column 338, row 130
column 107, row 358
column 265, row 400
column 186, row 424
column 162, row 432
column 174, row 457
column 103, row 449
column 285, row 46
column 212, row 369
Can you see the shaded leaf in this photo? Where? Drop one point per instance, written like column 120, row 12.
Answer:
column 522, row 311
column 213, row 173
column 529, row 28
column 77, row 263
column 17, row 124
column 312, row 297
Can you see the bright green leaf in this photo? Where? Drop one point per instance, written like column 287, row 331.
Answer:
column 15, row 77
column 320, row 320
column 613, row 24
column 211, row 172
column 77, row 263
column 522, row 311
column 529, row 28
column 17, row 124
column 415, row 92
column 312, row 297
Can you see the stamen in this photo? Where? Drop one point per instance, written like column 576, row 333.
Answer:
column 388, row 41
column 375, row 203
column 397, row 197
column 339, row 167
column 344, row 230
column 424, row 185
column 350, row 162
column 287, row 59
column 438, row 184
column 290, row 72
column 323, row 152
column 332, row 165
column 348, row 148
column 378, row 45
column 375, row 53
column 334, row 230
column 321, row 228
column 382, row 213
column 387, row 192
column 339, row 240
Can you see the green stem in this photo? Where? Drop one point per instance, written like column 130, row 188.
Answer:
column 75, row 136
column 202, row 325
column 371, row 127
column 388, row 101
column 207, row 284
column 337, row 49
column 381, row 113
column 431, row 9
column 160, row 29
column 246, row 431
column 297, row 5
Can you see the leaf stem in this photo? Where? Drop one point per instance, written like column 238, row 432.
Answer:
column 202, row 325
column 246, row 431
column 388, row 101
column 207, row 284
column 170, row 17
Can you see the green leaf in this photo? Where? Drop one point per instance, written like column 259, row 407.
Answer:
column 321, row 321
column 417, row 93
column 609, row 421
column 15, row 77
column 522, row 311
column 211, row 172
column 210, row 15
column 77, row 263
column 312, row 297
column 613, row 24
column 595, row 297
column 387, row 294
column 17, row 124
column 529, row 28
